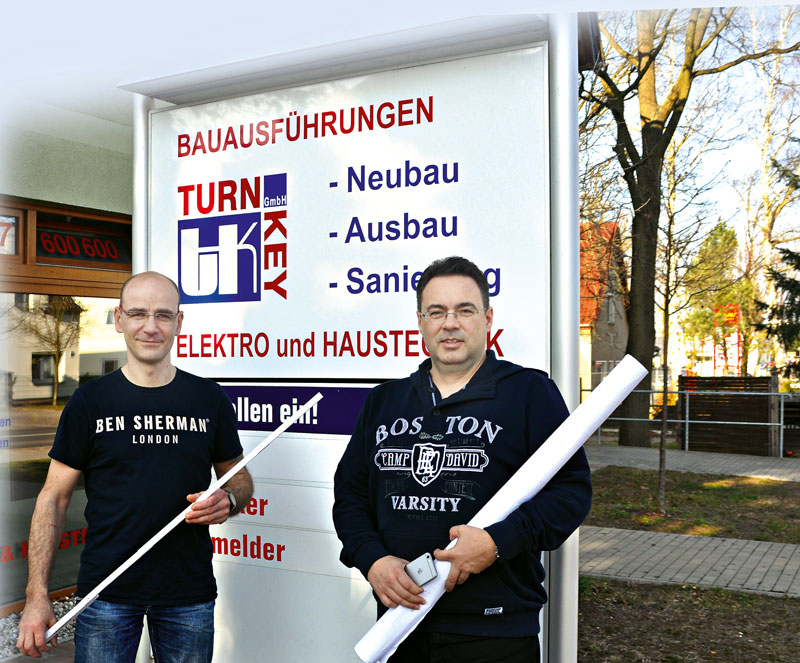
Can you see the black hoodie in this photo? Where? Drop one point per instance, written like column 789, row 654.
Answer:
column 417, row 465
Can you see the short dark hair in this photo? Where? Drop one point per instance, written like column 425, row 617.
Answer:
column 453, row 266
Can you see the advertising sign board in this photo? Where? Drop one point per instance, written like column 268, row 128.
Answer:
column 296, row 224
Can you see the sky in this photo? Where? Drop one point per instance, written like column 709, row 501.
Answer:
column 72, row 52
column 61, row 65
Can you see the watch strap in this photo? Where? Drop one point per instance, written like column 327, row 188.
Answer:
column 231, row 499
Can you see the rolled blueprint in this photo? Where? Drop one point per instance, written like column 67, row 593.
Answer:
column 215, row 485
column 381, row 641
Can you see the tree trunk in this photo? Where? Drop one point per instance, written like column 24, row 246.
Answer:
column 745, row 346
column 724, row 344
column 641, row 313
column 662, row 446
column 55, row 379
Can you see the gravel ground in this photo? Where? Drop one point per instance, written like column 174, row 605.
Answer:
column 9, row 626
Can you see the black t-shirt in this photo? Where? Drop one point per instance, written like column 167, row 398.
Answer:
column 142, row 450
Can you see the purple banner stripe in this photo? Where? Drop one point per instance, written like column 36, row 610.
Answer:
column 264, row 408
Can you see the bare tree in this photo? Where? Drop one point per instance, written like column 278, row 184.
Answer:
column 634, row 76
column 779, row 117
column 748, row 294
column 679, row 277
column 604, row 231
column 52, row 325
column 766, row 193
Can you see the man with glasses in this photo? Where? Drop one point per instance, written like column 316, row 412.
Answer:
column 427, row 453
column 144, row 438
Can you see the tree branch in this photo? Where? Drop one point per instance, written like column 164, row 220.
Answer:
column 747, row 57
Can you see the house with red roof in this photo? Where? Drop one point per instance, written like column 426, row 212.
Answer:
column 604, row 299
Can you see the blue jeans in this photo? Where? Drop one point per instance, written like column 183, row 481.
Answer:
column 110, row 633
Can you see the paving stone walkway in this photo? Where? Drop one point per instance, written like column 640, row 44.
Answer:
column 761, row 567
column 736, row 564
column 702, row 462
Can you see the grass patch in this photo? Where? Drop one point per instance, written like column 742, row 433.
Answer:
column 33, row 471
column 700, row 504
column 621, row 622
column 39, row 406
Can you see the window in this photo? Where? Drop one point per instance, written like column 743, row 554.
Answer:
column 109, row 366
column 109, row 316
column 61, row 251
column 42, row 368
column 9, row 227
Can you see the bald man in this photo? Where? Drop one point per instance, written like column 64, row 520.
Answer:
column 144, row 438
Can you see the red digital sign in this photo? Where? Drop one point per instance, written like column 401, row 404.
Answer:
column 65, row 247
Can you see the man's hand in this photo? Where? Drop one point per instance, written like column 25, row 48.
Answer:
column 213, row 510
column 37, row 617
column 393, row 585
column 473, row 553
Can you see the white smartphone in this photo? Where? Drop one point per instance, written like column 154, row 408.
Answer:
column 422, row 569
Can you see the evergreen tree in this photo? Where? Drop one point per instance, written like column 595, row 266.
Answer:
column 784, row 316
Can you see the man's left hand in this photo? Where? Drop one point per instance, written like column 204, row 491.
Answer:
column 473, row 552
column 213, row 510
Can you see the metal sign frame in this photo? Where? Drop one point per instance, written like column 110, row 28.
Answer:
column 408, row 48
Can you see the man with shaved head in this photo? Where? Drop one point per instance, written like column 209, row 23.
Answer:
column 144, row 438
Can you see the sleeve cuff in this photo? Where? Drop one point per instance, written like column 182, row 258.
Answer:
column 367, row 555
column 508, row 545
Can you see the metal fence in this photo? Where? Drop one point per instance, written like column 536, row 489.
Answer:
column 769, row 421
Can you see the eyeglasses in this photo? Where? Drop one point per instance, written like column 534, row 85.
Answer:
column 440, row 315
column 161, row 317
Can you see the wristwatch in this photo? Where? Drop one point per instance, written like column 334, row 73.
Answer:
column 231, row 499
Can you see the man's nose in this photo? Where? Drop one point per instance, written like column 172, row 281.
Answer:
column 451, row 320
column 150, row 324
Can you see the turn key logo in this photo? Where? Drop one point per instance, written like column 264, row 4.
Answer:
column 234, row 249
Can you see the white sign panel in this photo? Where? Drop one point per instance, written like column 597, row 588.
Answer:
column 296, row 224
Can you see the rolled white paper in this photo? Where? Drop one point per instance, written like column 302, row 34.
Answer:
column 385, row 636
column 220, row 481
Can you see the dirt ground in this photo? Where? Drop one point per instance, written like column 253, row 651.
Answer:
column 622, row 622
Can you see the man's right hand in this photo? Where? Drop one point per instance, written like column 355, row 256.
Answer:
column 36, row 618
column 393, row 585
